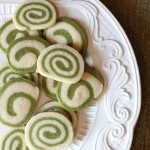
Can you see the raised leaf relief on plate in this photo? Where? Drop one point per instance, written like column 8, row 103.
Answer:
column 105, row 37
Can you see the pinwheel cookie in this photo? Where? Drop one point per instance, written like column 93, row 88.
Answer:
column 17, row 101
column 48, row 131
column 34, row 15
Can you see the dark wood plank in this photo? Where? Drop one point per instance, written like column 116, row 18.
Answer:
column 134, row 16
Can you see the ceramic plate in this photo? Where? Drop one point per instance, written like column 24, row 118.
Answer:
column 108, row 123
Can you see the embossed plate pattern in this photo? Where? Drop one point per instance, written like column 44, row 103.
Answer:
column 108, row 122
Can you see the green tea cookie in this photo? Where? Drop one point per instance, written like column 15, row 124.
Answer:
column 69, row 33
column 48, row 131
column 6, row 74
column 9, row 33
column 49, row 86
column 55, row 106
column 14, row 139
column 17, row 101
column 22, row 54
column 34, row 15
column 62, row 63
column 77, row 96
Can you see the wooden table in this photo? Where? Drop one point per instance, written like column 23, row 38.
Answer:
column 134, row 16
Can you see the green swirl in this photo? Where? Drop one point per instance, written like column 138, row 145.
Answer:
column 60, row 64
column 23, row 51
column 12, row 35
column 48, row 134
column 66, row 34
column 16, row 138
column 26, row 50
column 33, row 15
column 10, row 102
column 80, row 31
column 12, row 99
column 63, row 31
column 70, row 95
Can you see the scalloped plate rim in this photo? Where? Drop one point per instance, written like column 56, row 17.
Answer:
column 134, row 122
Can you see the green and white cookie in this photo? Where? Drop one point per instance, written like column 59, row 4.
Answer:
column 34, row 15
column 22, row 54
column 77, row 96
column 48, row 131
column 56, row 107
column 14, row 139
column 67, row 32
column 6, row 74
column 9, row 33
column 49, row 87
column 61, row 63
column 17, row 101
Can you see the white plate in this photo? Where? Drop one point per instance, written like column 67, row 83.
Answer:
column 107, row 123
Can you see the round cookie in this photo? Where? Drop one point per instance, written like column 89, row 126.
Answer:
column 62, row 63
column 17, row 101
column 77, row 96
column 34, row 15
column 22, row 54
column 67, row 32
column 48, row 131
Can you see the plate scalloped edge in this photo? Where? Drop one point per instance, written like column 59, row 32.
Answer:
column 126, row 95
column 121, row 99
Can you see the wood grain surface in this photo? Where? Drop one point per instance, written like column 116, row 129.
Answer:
column 134, row 16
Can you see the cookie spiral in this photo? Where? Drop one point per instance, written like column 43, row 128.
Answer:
column 17, row 101
column 61, row 63
column 22, row 54
column 67, row 32
column 49, row 130
column 34, row 15
column 79, row 95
